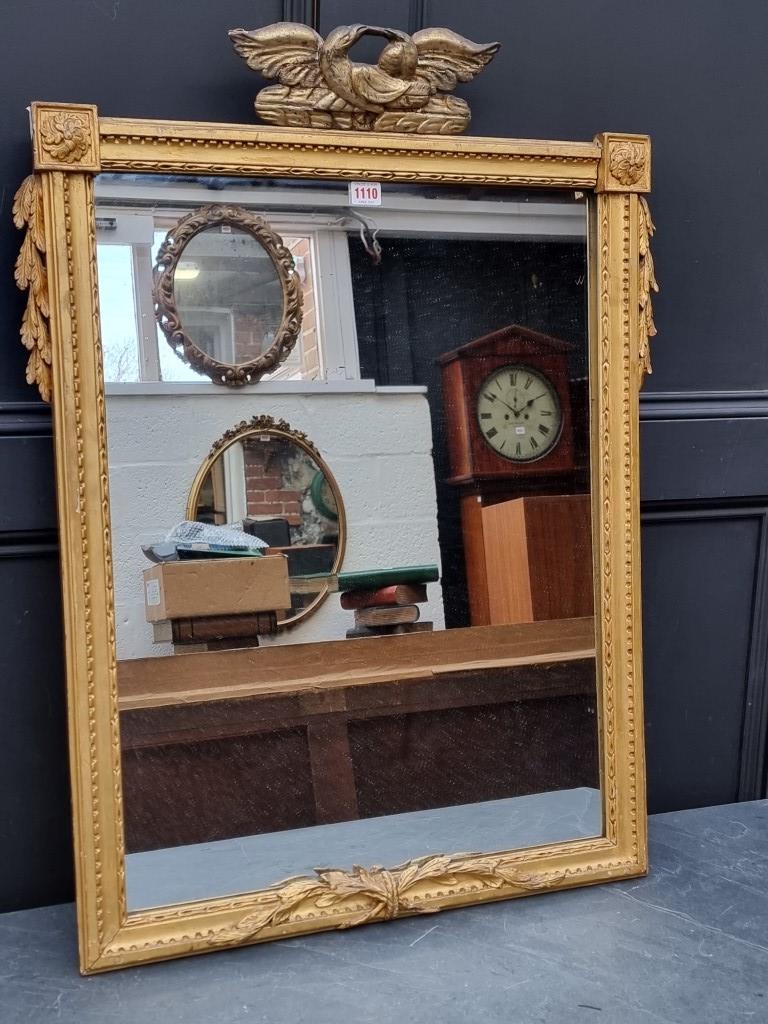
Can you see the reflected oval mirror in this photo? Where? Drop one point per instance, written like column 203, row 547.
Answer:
column 271, row 481
column 227, row 294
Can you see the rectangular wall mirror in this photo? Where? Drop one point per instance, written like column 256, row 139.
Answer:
column 346, row 440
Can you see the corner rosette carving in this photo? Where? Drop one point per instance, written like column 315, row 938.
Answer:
column 31, row 276
column 380, row 894
column 648, row 284
column 626, row 162
column 65, row 136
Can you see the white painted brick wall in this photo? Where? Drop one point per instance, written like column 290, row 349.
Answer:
column 377, row 444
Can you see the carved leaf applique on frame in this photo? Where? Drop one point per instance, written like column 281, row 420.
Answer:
column 380, row 894
column 31, row 276
column 648, row 284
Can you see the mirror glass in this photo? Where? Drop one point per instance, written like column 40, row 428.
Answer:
column 228, row 294
column 442, row 698
column 271, row 485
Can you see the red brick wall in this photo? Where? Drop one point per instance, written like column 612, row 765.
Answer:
column 249, row 337
column 300, row 247
column 265, row 491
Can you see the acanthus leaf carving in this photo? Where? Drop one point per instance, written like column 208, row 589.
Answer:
column 31, row 276
column 648, row 284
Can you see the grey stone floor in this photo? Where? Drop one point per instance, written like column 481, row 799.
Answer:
column 687, row 944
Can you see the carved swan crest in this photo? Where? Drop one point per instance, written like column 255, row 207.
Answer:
column 321, row 87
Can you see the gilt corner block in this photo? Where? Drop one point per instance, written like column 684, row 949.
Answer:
column 65, row 137
column 625, row 165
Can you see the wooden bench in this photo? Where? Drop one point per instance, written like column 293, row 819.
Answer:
column 238, row 742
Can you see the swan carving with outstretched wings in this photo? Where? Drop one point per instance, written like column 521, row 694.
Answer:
column 407, row 90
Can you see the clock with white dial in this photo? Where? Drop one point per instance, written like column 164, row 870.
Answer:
column 519, row 413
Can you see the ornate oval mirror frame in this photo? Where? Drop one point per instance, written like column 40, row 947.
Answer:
column 166, row 306
column 260, row 426
column 61, row 329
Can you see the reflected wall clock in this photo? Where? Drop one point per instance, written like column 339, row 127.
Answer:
column 507, row 404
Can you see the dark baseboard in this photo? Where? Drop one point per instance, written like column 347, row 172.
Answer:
column 25, row 419
column 703, row 405
column 754, row 656
column 35, row 417
column 28, row 543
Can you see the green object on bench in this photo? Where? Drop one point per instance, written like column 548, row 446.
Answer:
column 367, row 579
column 372, row 579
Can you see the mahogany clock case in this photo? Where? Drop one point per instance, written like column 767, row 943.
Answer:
column 232, row 736
column 464, row 373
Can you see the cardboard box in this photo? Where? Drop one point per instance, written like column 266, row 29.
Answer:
column 216, row 586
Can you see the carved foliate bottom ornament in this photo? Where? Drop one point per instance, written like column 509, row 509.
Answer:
column 377, row 893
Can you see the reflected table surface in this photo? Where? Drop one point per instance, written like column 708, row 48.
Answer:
column 687, row 944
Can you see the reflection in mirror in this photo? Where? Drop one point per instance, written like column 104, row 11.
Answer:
column 442, row 698
column 270, row 481
column 228, row 295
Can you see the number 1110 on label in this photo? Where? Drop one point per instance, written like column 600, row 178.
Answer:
column 364, row 193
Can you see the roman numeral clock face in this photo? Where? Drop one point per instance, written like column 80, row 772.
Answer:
column 519, row 413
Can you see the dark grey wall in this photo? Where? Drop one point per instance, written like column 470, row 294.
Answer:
column 693, row 76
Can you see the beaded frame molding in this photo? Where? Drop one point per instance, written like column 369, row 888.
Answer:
column 57, row 268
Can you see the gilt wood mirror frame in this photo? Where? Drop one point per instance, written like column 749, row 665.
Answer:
column 58, row 267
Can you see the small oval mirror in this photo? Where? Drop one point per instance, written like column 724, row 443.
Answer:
column 272, row 481
column 227, row 295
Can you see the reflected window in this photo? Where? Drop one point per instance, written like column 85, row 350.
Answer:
column 135, row 349
column 119, row 326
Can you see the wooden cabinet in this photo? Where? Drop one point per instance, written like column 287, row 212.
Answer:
column 522, row 470
column 529, row 559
